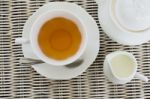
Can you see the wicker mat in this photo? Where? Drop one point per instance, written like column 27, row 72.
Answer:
column 17, row 81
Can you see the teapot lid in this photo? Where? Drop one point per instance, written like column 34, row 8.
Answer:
column 133, row 15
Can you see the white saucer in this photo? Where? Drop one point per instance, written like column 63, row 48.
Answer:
column 115, row 31
column 90, row 54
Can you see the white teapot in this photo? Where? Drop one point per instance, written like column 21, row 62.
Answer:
column 125, row 21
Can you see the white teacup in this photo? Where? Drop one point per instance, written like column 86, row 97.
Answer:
column 35, row 30
column 127, row 73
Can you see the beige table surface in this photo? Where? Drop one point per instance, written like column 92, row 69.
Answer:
column 19, row 82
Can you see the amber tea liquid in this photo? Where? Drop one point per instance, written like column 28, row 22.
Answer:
column 59, row 38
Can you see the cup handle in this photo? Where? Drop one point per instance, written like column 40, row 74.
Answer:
column 142, row 77
column 21, row 41
column 99, row 2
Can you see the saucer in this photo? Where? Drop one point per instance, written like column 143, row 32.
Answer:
column 115, row 31
column 90, row 54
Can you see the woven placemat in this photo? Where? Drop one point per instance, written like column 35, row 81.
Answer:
column 17, row 81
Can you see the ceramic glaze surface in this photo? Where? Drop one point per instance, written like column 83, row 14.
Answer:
column 122, row 65
column 133, row 14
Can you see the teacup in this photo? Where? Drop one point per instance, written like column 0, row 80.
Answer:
column 120, row 67
column 35, row 31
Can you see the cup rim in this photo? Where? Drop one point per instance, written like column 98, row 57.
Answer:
column 131, row 76
column 36, row 49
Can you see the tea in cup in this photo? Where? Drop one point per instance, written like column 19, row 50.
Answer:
column 57, row 37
